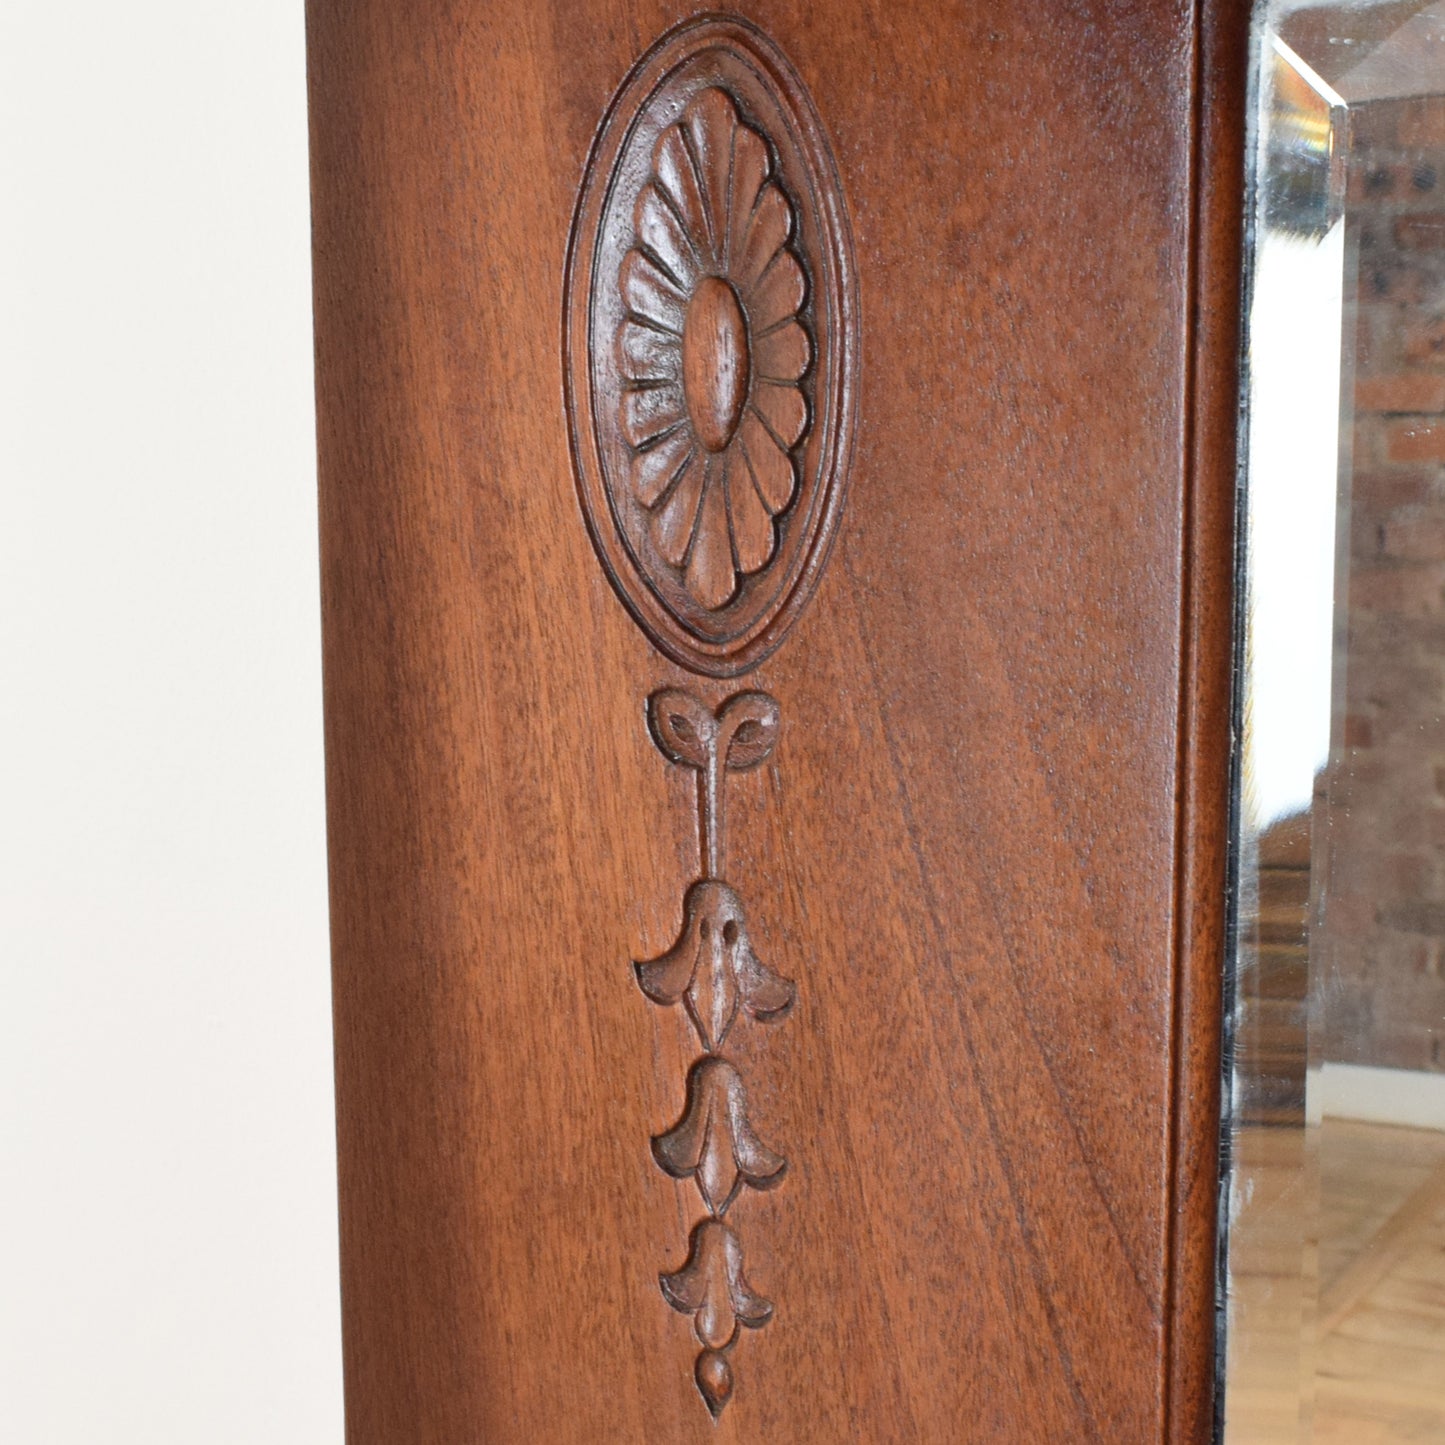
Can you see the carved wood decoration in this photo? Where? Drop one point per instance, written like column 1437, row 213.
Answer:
column 987, row 847
column 711, row 348
column 713, row 971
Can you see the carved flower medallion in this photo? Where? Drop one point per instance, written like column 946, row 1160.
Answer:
column 712, row 349
column 711, row 345
column 711, row 354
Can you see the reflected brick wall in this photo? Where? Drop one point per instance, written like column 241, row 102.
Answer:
column 1380, row 831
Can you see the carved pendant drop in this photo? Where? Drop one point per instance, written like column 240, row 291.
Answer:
column 711, row 357
column 713, row 972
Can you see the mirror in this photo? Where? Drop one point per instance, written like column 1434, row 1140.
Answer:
column 1333, row 1286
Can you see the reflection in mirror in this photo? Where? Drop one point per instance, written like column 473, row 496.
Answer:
column 1334, row 1280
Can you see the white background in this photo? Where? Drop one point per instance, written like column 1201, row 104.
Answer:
column 167, row 1175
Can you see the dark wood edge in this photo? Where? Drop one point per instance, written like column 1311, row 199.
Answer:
column 1206, row 655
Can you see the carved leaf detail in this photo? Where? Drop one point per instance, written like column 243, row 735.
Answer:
column 751, row 168
column 713, row 1142
column 709, row 123
column 676, row 517
column 712, row 225
column 712, row 1289
column 711, row 572
column 741, row 733
column 683, row 726
column 748, row 724
column 676, row 176
column 712, row 968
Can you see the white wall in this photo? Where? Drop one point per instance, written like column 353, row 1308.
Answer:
column 167, row 1177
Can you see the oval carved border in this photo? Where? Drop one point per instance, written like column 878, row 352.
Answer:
column 711, row 345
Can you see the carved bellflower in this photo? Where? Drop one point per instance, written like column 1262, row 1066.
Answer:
column 712, row 968
column 712, row 350
column 714, row 1142
column 713, row 971
column 711, row 1288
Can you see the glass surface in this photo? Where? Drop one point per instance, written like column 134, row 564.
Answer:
column 1334, row 1285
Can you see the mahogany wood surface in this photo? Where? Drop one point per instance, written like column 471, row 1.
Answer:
column 1207, row 655
column 981, row 843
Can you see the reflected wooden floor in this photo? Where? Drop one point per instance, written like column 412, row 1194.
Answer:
column 1348, row 1235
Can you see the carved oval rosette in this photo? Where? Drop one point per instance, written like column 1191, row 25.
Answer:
column 711, row 355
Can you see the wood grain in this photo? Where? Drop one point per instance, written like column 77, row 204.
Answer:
column 1368, row 1373
column 1207, row 657
column 1394, row 1239
column 965, row 848
column 1381, row 1332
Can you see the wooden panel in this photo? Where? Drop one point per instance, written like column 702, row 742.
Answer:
column 963, row 848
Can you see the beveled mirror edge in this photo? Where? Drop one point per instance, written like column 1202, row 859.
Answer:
column 1307, row 285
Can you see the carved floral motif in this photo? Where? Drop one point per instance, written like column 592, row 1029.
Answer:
column 710, row 1287
column 712, row 967
column 712, row 350
column 714, row 1143
column 713, row 972
column 711, row 345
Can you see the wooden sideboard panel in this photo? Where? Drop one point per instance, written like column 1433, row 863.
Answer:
column 961, row 843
